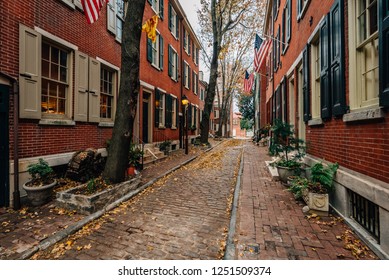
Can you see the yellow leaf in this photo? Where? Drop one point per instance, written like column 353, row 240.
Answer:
column 87, row 247
column 313, row 249
column 338, row 237
column 79, row 248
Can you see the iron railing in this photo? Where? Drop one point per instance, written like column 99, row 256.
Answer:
column 141, row 145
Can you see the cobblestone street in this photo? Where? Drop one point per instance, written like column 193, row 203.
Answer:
column 182, row 216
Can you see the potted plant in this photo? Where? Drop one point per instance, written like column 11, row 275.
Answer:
column 321, row 184
column 134, row 159
column 165, row 146
column 288, row 148
column 40, row 187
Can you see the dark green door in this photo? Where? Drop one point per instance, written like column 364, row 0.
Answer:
column 4, row 146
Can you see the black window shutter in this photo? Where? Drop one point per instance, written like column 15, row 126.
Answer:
column 306, row 98
column 325, row 94
column 278, row 104
column 189, row 115
column 149, row 2
column 284, row 98
column 177, row 66
column 168, row 111
column 283, row 31
column 177, row 27
column 189, row 44
column 156, row 111
column 176, row 100
column 170, row 62
column 189, row 72
column 383, row 23
column 184, row 37
column 161, row 52
column 289, row 19
column 161, row 9
column 274, row 9
column 197, row 56
column 149, row 50
column 170, row 24
column 195, row 116
column 337, row 59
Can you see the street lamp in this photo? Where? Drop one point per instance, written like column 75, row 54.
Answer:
column 185, row 102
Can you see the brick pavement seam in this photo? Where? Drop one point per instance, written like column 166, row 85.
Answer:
column 230, row 247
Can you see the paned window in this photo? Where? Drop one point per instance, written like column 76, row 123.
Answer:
column 107, row 88
column 186, row 75
column 173, row 22
column 173, row 63
column 155, row 52
column 302, row 5
column 55, row 72
column 115, row 17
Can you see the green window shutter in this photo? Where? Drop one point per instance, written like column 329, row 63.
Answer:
column 177, row 66
column 170, row 16
column 184, row 37
column 149, row 2
column 156, row 110
column 149, row 50
column 189, row 71
column 325, row 94
column 306, row 97
column 170, row 61
column 383, row 23
column 161, row 10
column 161, row 52
column 283, row 31
column 197, row 56
column 189, row 44
column 195, row 116
column 337, row 59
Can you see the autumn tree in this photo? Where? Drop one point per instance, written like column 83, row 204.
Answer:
column 217, row 19
column 128, row 93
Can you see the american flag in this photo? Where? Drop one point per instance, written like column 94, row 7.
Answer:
column 260, row 52
column 248, row 81
column 92, row 9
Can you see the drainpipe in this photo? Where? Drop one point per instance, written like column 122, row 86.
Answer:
column 181, row 62
column 16, row 193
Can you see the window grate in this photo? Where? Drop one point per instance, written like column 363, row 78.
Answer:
column 366, row 213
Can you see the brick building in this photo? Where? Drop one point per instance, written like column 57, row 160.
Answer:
column 328, row 75
column 68, row 73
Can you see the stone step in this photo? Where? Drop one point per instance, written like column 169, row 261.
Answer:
column 149, row 161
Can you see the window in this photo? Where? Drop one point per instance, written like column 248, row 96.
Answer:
column 155, row 52
column 302, row 6
column 173, row 64
column 171, row 111
column 73, row 3
column 186, row 75
column 187, row 42
column 315, row 74
column 157, row 6
column 276, row 5
column 195, row 55
column 115, row 17
column 55, row 79
column 159, row 109
column 173, row 22
column 364, row 53
column 195, row 83
column 277, row 50
column 107, row 88
column 287, row 27
column 202, row 93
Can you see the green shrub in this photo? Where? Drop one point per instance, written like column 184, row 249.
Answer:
column 40, row 172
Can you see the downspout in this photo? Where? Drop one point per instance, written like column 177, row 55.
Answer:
column 181, row 81
column 16, row 193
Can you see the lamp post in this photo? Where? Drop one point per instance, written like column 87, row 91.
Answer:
column 185, row 102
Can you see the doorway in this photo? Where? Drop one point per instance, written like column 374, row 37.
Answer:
column 146, row 118
column 4, row 146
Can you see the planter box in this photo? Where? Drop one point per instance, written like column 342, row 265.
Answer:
column 316, row 201
column 88, row 204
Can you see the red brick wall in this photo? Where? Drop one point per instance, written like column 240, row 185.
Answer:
column 360, row 146
column 70, row 25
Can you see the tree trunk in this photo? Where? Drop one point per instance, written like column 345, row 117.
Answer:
column 212, row 76
column 117, row 160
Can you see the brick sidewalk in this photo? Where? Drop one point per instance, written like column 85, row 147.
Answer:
column 271, row 224
column 22, row 230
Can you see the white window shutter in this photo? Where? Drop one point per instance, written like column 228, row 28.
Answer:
column 81, row 87
column 30, row 44
column 111, row 17
column 94, row 90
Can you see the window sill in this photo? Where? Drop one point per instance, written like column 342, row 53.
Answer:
column 173, row 127
column 155, row 66
column 315, row 122
column 69, row 4
column 366, row 114
column 161, row 126
column 57, row 122
column 105, row 124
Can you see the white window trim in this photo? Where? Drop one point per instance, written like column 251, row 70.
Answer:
column 186, row 46
column 157, row 53
column 196, row 88
column 303, row 10
column 315, row 90
column 156, row 9
column 162, row 123
column 105, row 121
column 174, row 16
column 355, row 96
column 186, row 72
column 174, row 109
column 57, row 39
column 175, row 59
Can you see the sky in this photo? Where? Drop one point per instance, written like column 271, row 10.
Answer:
column 191, row 7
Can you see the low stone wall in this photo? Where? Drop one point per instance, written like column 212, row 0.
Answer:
column 88, row 204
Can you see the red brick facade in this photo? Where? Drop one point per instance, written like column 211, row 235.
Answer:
column 356, row 138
